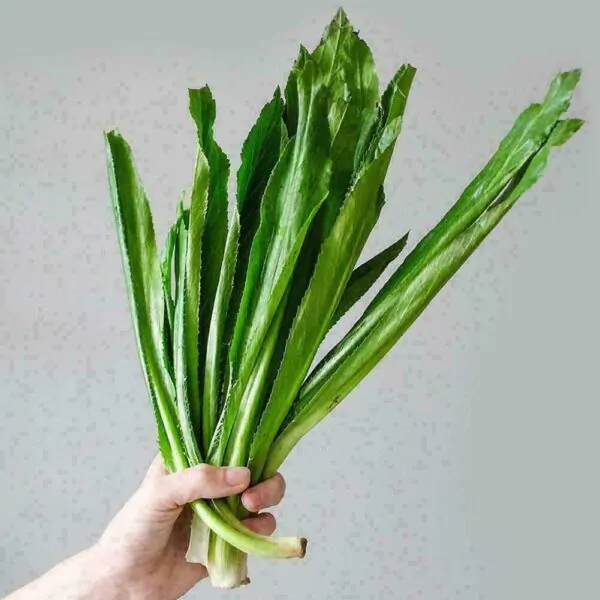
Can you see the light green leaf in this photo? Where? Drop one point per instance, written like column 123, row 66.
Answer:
column 253, row 398
column 213, row 373
column 141, row 266
column 182, row 351
column 191, row 304
column 397, row 306
column 530, row 131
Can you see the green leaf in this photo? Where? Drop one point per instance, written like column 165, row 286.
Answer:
column 380, row 123
column 345, row 172
column 292, row 108
column 395, row 96
column 530, row 131
column 531, row 172
column 337, row 258
column 167, row 279
column 167, row 272
column 193, row 292
column 214, row 234
column 253, row 398
column 397, row 306
column 182, row 351
column 296, row 190
column 335, row 37
column 347, row 65
column 141, row 266
column 349, row 72
column 365, row 276
column 213, row 373
column 260, row 153
column 183, row 218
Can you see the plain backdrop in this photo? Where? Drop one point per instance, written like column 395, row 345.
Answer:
column 465, row 466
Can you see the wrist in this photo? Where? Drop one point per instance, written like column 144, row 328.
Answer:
column 107, row 577
column 84, row 576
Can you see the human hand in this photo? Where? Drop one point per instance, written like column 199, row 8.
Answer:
column 144, row 546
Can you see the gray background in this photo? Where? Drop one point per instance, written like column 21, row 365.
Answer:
column 465, row 465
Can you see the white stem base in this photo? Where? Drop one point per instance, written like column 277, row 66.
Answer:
column 227, row 567
column 197, row 551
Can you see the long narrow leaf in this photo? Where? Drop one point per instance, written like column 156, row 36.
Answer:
column 398, row 305
column 253, row 399
column 527, row 135
column 141, row 266
column 167, row 273
column 182, row 351
column 193, row 291
column 214, row 230
column 365, row 276
column 213, row 373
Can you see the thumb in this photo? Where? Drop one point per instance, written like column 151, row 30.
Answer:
column 171, row 492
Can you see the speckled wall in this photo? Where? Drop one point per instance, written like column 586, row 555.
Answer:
column 464, row 466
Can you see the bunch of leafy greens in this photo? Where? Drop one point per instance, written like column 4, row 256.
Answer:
column 229, row 319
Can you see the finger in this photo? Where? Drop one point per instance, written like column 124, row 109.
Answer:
column 264, row 523
column 201, row 481
column 265, row 494
column 157, row 468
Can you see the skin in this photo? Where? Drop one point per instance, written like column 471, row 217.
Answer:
column 141, row 554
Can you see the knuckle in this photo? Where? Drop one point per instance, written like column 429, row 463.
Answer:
column 149, row 489
column 204, row 473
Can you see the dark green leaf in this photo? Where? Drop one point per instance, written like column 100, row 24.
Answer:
column 291, row 92
column 214, row 235
column 167, row 273
column 260, row 153
column 193, row 288
column 296, row 189
column 182, row 351
column 364, row 277
column 337, row 258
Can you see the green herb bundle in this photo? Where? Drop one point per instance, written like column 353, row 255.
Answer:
column 230, row 317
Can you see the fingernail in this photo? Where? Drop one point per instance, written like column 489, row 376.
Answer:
column 250, row 501
column 237, row 475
